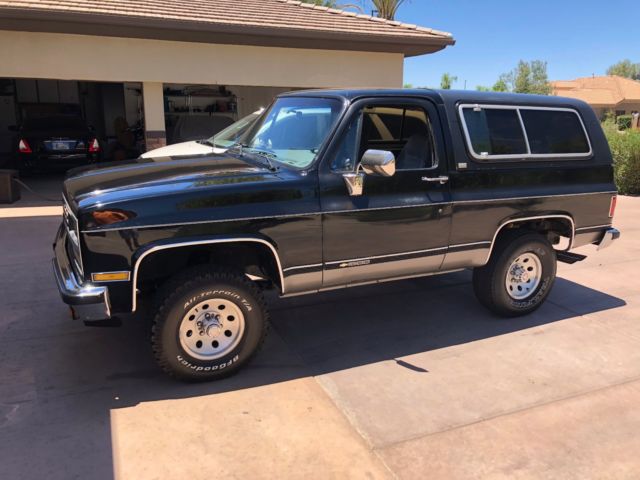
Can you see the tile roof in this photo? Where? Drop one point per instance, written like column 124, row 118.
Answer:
column 606, row 91
column 282, row 15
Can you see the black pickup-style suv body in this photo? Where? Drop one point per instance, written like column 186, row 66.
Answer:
column 331, row 189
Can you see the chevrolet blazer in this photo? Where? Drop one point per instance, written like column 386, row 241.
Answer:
column 332, row 189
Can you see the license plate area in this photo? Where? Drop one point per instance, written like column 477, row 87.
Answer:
column 60, row 145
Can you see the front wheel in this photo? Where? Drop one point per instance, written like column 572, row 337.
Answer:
column 519, row 275
column 209, row 323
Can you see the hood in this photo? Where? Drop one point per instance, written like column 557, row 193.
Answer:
column 184, row 149
column 114, row 182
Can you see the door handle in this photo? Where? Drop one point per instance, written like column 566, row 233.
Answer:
column 441, row 180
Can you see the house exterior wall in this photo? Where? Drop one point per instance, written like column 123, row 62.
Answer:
column 626, row 107
column 95, row 58
column 37, row 55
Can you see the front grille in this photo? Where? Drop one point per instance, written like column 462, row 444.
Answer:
column 70, row 222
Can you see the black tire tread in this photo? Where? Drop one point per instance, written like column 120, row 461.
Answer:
column 185, row 280
column 482, row 276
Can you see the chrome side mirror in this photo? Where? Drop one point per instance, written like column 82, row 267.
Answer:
column 354, row 183
column 379, row 162
column 374, row 162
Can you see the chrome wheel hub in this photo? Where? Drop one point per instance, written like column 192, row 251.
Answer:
column 523, row 276
column 211, row 329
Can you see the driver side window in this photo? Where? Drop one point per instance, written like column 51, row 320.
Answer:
column 403, row 130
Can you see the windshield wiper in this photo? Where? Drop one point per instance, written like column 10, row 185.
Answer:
column 207, row 142
column 268, row 156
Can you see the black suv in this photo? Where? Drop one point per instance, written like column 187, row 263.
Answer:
column 331, row 189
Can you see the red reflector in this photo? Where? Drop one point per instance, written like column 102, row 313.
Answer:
column 612, row 206
column 23, row 146
column 94, row 146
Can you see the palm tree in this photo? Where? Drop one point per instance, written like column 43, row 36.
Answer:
column 387, row 8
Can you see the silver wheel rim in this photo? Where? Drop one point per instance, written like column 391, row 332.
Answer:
column 211, row 329
column 523, row 276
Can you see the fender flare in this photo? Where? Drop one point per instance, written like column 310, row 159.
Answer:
column 537, row 217
column 190, row 243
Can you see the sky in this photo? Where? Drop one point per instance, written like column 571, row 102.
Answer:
column 576, row 38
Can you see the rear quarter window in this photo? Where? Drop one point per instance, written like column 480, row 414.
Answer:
column 495, row 132
column 553, row 131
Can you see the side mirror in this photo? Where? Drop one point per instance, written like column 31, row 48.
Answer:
column 379, row 162
column 374, row 162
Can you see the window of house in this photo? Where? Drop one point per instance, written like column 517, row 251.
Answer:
column 523, row 132
column 403, row 130
column 554, row 132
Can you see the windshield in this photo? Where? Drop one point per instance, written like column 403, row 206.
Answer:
column 294, row 129
column 231, row 134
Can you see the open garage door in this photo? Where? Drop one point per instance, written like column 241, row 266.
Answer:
column 49, row 126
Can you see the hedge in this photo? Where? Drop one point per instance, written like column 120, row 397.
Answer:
column 624, row 122
column 625, row 148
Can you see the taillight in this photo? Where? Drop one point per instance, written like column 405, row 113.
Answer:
column 24, row 147
column 612, row 206
column 94, row 146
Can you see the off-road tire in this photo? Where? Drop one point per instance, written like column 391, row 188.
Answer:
column 190, row 288
column 489, row 280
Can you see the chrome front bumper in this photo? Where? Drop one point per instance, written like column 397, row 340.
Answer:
column 87, row 301
column 610, row 236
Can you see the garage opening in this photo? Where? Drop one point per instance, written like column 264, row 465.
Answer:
column 197, row 112
column 48, row 126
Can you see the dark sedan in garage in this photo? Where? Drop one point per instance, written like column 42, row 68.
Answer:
column 55, row 143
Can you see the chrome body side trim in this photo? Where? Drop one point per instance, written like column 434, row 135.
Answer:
column 524, row 219
column 302, row 267
column 305, row 214
column 158, row 248
column 488, row 200
column 370, row 282
column 391, row 255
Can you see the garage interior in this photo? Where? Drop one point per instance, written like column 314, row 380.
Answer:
column 115, row 111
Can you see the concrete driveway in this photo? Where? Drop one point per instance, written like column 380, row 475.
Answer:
column 407, row 380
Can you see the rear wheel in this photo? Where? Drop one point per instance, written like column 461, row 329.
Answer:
column 208, row 324
column 519, row 275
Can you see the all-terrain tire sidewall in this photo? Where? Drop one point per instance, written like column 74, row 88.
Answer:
column 507, row 305
column 176, row 360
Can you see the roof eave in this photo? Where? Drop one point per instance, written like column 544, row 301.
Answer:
column 203, row 32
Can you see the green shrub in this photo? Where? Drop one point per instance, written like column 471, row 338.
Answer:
column 624, row 122
column 625, row 148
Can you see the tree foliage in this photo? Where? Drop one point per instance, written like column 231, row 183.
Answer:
column 499, row 86
column 625, row 68
column 447, row 81
column 528, row 77
column 383, row 8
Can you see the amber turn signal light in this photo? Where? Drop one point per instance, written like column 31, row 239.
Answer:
column 110, row 277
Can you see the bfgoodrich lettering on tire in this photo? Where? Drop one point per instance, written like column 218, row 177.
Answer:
column 209, row 323
column 519, row 275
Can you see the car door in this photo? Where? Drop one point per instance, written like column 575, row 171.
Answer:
column 399, row 226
